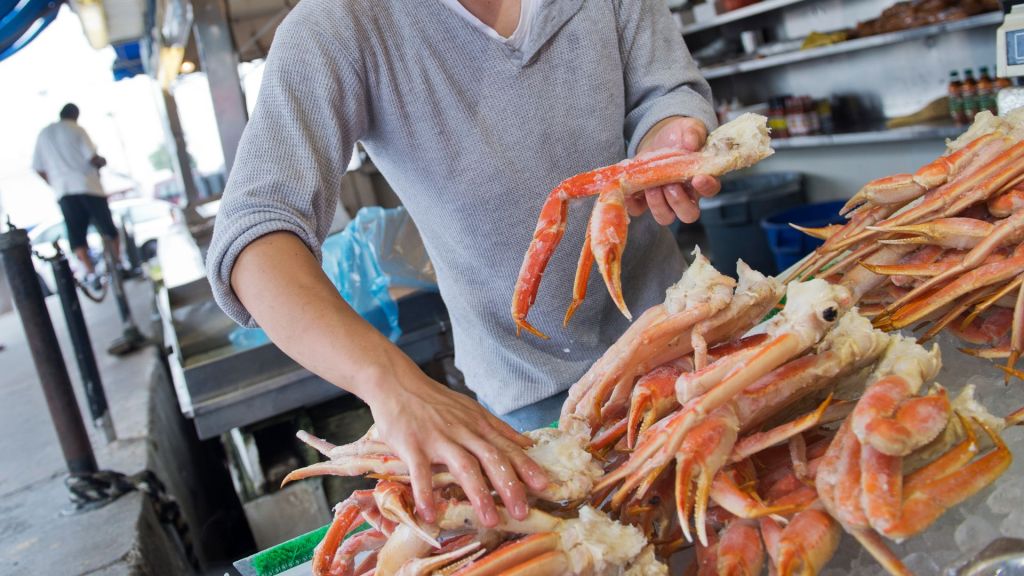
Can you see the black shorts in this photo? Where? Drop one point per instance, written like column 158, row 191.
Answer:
column 80, row 210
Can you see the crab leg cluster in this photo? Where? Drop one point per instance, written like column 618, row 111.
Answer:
column 943, row 247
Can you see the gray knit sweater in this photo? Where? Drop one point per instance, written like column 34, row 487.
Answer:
column 472, row 136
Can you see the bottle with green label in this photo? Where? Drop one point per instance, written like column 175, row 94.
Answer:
column 969, row 93
column 986, row 91
column 956, row 101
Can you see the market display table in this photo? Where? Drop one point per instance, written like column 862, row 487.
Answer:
column 221, row 385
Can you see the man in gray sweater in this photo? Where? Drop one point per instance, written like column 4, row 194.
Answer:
column 473, row 110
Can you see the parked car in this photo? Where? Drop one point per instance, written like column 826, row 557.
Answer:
column 150, row 219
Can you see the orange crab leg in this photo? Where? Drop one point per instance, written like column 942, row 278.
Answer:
column 608, row 232
column 807, row 544
column 980, row 277
column 516, row 557
column 906, row 187
column 740, row 551
column 345, row 515
column 579, row 286
column 1007, row 203
column 550, row 228
column 893, row 421
column 996, row 168
column 955, row 233
column 652, row 398
column 940, row 486
column 385, row 464
column 1006, row 230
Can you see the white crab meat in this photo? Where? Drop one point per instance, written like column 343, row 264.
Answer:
column 572, row 470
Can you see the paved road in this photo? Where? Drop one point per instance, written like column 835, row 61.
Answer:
column 34, row 537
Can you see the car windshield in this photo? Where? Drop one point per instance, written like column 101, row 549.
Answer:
column 145, row 212
column 49, row 235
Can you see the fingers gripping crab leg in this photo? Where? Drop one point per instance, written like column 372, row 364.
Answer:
column 738, row 144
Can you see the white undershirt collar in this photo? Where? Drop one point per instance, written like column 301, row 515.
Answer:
column 527, row 8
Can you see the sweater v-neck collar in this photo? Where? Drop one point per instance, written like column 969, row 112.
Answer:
column 550, row 16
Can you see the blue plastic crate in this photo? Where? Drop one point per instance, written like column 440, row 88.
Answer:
column 788, row 245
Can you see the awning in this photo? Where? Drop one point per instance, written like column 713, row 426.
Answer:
column 22, row 20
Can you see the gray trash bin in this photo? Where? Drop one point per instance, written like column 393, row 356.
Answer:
column 732, row 218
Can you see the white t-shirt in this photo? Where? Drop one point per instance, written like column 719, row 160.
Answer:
column 527, row 8
column 63, row 152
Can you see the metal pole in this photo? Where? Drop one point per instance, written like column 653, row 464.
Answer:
column 82, row 344
column 131, row 249
column 131, row 339
column 220, row 62
column 42, row 341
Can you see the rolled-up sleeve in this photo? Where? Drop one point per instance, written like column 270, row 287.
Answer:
column 293, row 153
column 661, row 78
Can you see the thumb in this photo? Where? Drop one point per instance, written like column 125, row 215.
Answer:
column 693, row 139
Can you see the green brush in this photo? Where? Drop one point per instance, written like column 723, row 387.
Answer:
column 290, row 554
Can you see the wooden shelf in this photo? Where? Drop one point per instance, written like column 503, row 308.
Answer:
column 920, row 132
column 739, row 14
column 744, row 66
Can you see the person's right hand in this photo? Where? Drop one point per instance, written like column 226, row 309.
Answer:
column 425, row 423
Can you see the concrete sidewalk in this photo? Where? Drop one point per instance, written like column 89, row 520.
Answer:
column 124, row 537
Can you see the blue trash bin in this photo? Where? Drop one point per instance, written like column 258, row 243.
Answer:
column 732, row 219
column 789, row 245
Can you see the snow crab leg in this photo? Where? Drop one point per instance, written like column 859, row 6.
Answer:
column 733, row 146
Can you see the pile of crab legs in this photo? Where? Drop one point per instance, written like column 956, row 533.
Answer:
column 691, row 413
column 753, row 458
column 712, row 431
column 947, row 243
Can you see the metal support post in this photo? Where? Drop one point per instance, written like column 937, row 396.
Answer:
column 46, row 354
column 131, row 249
column 131, row 339
column 82, row 344
column 179, row 153
column 220, row 62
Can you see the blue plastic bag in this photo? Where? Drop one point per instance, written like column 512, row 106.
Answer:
column 379, row 249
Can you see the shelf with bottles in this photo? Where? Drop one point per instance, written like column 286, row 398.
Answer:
column 877, row 135
column 969, row 96
column 795, row 54
column 842, row 120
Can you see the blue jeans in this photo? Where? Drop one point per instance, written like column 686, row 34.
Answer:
column 537, row 415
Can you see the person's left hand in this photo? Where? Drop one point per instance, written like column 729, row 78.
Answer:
column 674, row 200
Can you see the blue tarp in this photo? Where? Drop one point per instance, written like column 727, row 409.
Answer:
column 22, row 20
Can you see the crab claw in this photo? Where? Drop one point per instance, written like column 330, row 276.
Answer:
column 395, row 503
column 653, row 396
column 956, row 233
column 823, row 233
column 887, row 190
column 704, row 452
column 608, row 232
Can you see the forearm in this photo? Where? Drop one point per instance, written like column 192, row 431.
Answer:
column 305, row 316
column 423, row 422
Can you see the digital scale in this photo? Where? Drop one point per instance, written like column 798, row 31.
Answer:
column 1010, row 54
